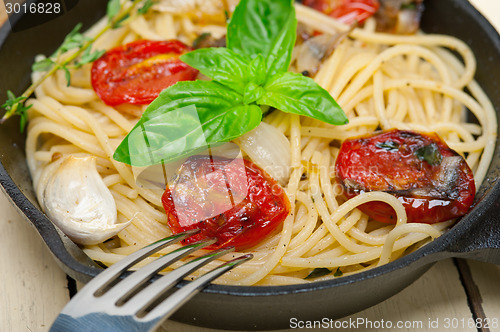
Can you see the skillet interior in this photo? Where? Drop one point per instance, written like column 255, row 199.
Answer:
column 476, row 235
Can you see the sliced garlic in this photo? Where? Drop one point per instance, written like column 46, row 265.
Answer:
column 75, row 198
column 269, row 149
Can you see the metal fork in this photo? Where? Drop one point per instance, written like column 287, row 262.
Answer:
column 109, row 304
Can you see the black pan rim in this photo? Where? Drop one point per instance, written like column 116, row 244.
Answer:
column 439, row 245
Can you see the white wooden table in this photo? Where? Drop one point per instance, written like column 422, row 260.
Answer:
column 33, row 289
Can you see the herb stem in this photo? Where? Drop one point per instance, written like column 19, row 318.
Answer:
column 31, row 89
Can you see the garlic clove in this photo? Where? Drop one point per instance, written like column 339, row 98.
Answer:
column 76, row 199
column 268, row 148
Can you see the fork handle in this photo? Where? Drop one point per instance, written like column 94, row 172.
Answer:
column 95, row 322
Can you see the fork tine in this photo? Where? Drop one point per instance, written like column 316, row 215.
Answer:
column 155, row 290
column 103, row 304
column 112, row 273
column 138, row 278
column 167, row 307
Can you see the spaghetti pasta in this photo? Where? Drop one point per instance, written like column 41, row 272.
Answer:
column 380, row 80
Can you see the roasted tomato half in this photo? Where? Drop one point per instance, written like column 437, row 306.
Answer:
column 432, row 181
column 137, row 72
column 346, row 11
column 232, row 200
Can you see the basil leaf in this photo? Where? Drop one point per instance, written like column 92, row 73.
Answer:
column 264, row 27
column 280, row 54
column 338, row 273
column 165, row 136
column 257, row 70
column 430, row 153
column 252, row 93
column 220, row 64
column 295, row 93
column 318, row 272
column 203, row 94
column 180, row 133
column 172, row 133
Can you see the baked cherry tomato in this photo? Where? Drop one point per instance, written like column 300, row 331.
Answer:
column 346, row 11
column 137, row 72
column 232, row 200
column 433, row 182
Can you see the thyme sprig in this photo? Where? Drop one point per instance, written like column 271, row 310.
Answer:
column 117, row 14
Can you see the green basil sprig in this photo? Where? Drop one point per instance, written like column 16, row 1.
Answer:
column 171, row 130
column 252, row 72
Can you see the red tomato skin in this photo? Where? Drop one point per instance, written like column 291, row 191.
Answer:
column 263, row 206
column 346, row 11
column 124, row 75
column 362, row 166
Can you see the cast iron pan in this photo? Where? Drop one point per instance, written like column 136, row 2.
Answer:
column 476, row 236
